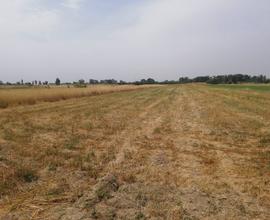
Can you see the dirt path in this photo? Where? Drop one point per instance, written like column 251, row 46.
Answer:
column 178, row 152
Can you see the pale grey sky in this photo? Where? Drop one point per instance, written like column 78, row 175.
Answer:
column 132, row 39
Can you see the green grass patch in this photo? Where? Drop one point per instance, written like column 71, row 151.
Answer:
column 247, row 87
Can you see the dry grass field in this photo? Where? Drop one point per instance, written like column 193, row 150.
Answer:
column 28, row 96
column 169, row 152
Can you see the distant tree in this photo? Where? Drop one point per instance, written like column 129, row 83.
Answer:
column 121, row 82
column 143, row 81
column 45, row 83
column 81, row 81
column 93, row 81
column 150, row 81
column 28, row 83
column 113, row 81
column 169, row 82
column 108, row 81
column 261, row 79
column 184, row 80
column 80, row 84
column 39, row 83
column 236, row 78
column 22, row 81
column 1, row 82
column 57, row 82
column 201, row 79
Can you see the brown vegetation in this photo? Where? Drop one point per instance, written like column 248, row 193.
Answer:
column 170, row 152
column 22, row 96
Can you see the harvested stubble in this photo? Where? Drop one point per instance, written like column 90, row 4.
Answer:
column 169, row 152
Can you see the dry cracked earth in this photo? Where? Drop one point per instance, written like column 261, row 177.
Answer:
column 169, row 152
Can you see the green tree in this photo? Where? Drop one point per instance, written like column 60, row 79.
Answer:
column 57, row 82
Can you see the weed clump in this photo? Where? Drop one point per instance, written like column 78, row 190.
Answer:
column 72, row 143
column 140, row 216
column 27, row 175
column 107, row 185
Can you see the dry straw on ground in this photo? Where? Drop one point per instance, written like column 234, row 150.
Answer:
column 170, row 152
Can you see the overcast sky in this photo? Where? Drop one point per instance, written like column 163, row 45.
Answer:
column 132, row 39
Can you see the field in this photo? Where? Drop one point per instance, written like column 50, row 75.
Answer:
column 12, row 96
column 168, row 152
column 247, row 87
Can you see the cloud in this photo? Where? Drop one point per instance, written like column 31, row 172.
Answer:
column 193, row 37
column 72, row 4
column 132, row 39
column 19, row 19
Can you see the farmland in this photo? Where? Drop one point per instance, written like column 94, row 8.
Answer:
column 189, row 151
column 247, row 87
column 12, row 96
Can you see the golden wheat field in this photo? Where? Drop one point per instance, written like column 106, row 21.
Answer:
column 23, row 96
column 167, row 152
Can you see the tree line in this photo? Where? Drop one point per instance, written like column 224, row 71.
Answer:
column 226, row 79
column 217, row 79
